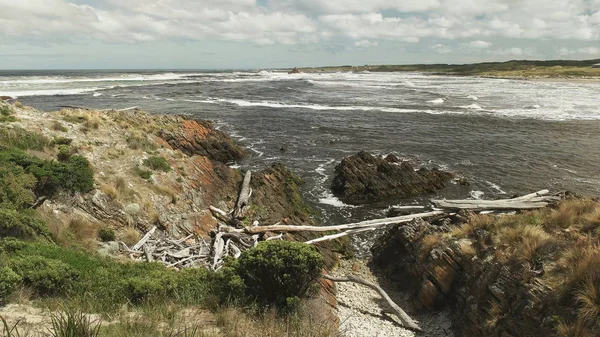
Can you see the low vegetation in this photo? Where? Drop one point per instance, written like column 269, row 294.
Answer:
column 565, row 239
column 535, row 69
column 157, row 164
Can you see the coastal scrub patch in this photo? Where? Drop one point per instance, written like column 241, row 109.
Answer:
column 22, row 139
column 58, row 126
column 157, row 163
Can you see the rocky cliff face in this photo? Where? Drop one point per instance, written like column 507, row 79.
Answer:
column 196, row 137
column 367, row 177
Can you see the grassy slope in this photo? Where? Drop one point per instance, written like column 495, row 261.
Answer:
column 520, row 69
column 52, row 265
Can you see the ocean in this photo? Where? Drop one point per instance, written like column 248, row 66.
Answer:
column 505, row 136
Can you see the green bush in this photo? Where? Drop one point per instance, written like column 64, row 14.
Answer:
column 62, row 141
column 104, row 285
column 8, row 282
column 46, row 276
column 64, row 153
column 20, row 225
column 22, row 139
column 143, row 173
column 277, row 272
column 5, row 110
column 8, row 119
column 157, row 164
column 16, row 187
column 106, row 234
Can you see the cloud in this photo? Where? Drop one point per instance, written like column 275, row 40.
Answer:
column 365, row 44
column 441, row 48
column 457, row 25
column 479, row 44
column 585, row 51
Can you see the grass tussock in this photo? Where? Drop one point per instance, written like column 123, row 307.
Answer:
column 565, row 238
column 22, row 139
column 237, row 323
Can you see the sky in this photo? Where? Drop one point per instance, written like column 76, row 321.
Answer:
column 244, row 34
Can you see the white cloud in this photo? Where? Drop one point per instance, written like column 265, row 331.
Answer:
column 305, row 21
column 479, row 44
column 365, row 44
column 441, row 48
column 585, row 51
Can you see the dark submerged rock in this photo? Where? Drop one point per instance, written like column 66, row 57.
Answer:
column 367, row 177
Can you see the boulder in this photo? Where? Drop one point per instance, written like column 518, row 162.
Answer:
column 197, row 137
column 5, row 98
column 294, row 71
column 367, row 177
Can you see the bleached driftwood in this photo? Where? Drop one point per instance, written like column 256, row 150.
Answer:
column 363, row 224
column 406, row 320
column 144, row 239
column 340, row 235
column 528, row 201
column 243, row 202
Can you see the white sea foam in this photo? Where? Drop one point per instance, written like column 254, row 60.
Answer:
column 330, row 199
column 495, row 187
column 473, row 97
column 46, row 92
column 472, row 107
column 97, row 94
column 437, row 101
column 476, row 194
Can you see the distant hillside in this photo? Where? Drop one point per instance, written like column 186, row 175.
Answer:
column 515, row 68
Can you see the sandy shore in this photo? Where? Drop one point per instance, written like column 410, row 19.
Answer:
column 360, row 308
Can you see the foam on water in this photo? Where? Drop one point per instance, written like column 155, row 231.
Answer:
column 331, row 200
column 47, row 92
column 476, row 194
column 437, row 101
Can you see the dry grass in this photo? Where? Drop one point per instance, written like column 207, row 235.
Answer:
column 85, row 231
column 236, row 323
column 59, row 230
column 475, row 221
column 571, row 212
column 130, row 236
column 524, row 240
column 577, row 329
column 126, row 193
column 495, row 314
column 110, row 190
column 588, row 297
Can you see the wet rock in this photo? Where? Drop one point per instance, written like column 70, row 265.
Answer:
column 294, row 71
column 367, row 177
column 196, row 137
column 5, row 98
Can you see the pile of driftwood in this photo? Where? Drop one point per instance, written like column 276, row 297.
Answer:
column 231, row 237
column 189, row 252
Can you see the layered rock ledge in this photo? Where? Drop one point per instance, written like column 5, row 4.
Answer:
column 367, row 177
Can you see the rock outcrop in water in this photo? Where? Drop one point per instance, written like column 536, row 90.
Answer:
column 294, row 71
column 200, row 138
column 367, row 177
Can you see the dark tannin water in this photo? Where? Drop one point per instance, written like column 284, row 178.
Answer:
column 505, row 136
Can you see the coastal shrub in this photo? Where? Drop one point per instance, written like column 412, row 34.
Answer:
column 16, row 187
column 22, row 139
column 62, row 141
column 46, row 276
column 64, row 153
column 106, row 234
column 5, row 110
column 58, row 126
column 102, row 284
column 142, row 173
column 277, row 272
column 157, row 163
column 8, row 119
column 8, row 282
column 137, row 142
column 20, row 225
column 75, row 119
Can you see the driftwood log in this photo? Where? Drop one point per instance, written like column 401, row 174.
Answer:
column 529, row 201
column 243, row 203
column 406, row 320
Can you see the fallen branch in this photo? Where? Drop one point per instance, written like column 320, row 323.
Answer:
column 243, row 202
column 401, row 314
column 144, row 239
column 363, row 224
column 339, row 235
